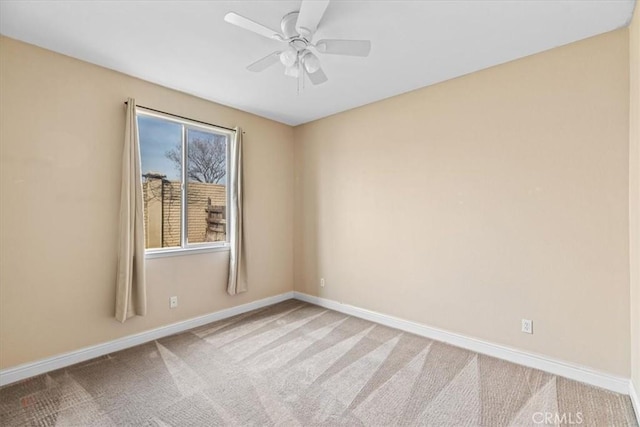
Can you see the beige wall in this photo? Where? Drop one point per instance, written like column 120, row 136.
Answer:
column 634, row 193
column 60, row 147
column 479, row 201
column 466, row 205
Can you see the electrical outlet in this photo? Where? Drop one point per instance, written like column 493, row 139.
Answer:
column 527, row 326
column 322, row 283
column 173, row 302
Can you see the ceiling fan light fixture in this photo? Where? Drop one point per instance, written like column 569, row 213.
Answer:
column 311, row 62
column 292, row 71
column 289, row 57
column 321, row 47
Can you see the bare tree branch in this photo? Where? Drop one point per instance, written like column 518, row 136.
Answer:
column 206, row 159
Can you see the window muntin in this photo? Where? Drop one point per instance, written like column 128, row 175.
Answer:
column 179, row 155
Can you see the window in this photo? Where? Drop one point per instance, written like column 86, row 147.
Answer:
column 184, row 183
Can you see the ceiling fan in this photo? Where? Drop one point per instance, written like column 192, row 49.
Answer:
column 298, row 29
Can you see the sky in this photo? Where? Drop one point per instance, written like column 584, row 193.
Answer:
column 158, row 136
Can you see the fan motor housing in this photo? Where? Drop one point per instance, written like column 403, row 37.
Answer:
column 298, row 44
column 288, row 25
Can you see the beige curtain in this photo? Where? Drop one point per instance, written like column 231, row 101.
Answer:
column 236, row 283
column 131, row 295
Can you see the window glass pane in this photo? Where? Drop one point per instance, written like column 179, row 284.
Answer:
column 161, row 157
column 206, row 186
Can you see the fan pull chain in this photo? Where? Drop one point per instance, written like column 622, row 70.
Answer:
column 300, row 76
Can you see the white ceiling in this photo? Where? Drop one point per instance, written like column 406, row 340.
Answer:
column 186, row 45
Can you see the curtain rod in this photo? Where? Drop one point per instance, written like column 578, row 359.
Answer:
column 182, row 117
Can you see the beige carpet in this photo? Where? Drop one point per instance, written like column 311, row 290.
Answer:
column 298, row 364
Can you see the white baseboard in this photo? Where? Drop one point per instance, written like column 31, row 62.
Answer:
column 556, row 367
column 635, row 399
column 20, row 372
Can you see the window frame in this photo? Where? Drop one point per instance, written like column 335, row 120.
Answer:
column 185, row 247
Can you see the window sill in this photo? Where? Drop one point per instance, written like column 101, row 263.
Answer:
column 163, row 253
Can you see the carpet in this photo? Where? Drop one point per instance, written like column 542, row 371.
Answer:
column 296, row 364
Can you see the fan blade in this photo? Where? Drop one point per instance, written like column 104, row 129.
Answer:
column 318, row 77
column 264, row 63
column 344, row 47
column 248, row 24
column 311, row 12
